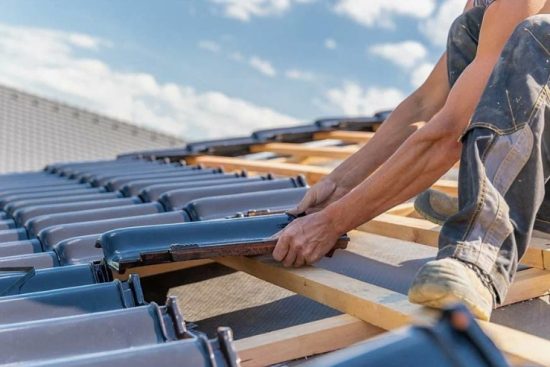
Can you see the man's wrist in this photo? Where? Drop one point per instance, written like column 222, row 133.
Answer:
column 337, row 217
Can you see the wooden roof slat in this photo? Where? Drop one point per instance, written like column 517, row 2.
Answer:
column 299, row 150
column 304, row 340
column 426, row 233
column 378, row 306
column 347, row 136
column 312, row 173
column 528, row 284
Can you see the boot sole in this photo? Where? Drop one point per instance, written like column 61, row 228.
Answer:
column 440, row 301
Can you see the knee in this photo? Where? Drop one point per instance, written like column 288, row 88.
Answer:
column 462, row 42
column 535, row 28
column 536, row 22
column 466, row 27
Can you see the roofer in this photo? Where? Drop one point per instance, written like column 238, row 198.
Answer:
column 486, row 102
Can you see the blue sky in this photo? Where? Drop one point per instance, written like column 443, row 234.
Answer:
column 214, row 68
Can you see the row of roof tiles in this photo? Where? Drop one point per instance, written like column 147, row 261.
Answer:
column 55, row 280
column 241, row 145
column 66, row 229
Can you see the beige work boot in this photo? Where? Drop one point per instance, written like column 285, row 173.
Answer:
column 442, row 282
column 436, row 206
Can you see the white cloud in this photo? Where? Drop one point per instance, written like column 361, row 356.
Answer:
column 352, row 99
column 45, row 62
column 381, row 12
column 209, row 46
column 403, row 54
column 436, row 28
column 420, row 74
column 236, row 56
column 263, row 66
column 302, row 75
column 244, row 10
column 330, row 44
column 85, row 41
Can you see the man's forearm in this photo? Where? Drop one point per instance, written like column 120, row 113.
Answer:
column 416, row 165
column 399, row 126
column 422, row 159
column 419, row 107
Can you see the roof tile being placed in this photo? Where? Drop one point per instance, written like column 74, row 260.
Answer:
column 139, row 246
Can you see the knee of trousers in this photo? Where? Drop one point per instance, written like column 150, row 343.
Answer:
column 535, row 28
column 462, row 42
column 467, row 26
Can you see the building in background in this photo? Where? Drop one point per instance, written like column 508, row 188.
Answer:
column 35, row 131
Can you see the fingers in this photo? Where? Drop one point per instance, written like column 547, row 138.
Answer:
column 276, row 235
column 302, row 206
column 290, row 257
column 299, row 261
column 317, row 254
column 312, row 259
column 314, row 209
column 286, row 252
column 308, row 201
column 281, row 249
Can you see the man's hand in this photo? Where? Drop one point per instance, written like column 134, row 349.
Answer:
column 306, row 240
column 319, row 196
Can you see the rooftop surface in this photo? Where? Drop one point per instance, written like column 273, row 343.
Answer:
column 71, row 234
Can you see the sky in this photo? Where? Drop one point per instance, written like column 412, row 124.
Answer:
column 203, row 69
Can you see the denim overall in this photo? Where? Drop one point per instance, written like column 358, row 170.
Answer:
column 505, row 161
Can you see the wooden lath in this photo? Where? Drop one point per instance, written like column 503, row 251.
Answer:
column 309, row 339
column 357, row 137
column 528, row 284
column 378, row 306
column 312, row 173
column 304, row 151
column 368, row 309
column 424, row 232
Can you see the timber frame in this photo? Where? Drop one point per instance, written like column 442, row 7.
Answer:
column 368, row 310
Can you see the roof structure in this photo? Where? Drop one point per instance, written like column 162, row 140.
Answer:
column 89, row 250
column 36, row 131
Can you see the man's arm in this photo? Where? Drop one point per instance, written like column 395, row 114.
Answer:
column 407, row 118
column 419, row 107
column 420, row 161
column 432, row 151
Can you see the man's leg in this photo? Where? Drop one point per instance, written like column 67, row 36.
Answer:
column 504, row 166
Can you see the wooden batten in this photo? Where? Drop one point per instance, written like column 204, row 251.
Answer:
column 358, row 137
column 313, row 173
column 368, row 309
column 151, row 270
column 380, row 307
column 304, row 151
column 305, row 340
column 426, row 233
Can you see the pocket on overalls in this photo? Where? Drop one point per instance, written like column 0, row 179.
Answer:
column 516, row 88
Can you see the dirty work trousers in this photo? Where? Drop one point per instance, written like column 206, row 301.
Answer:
column 505, row 161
